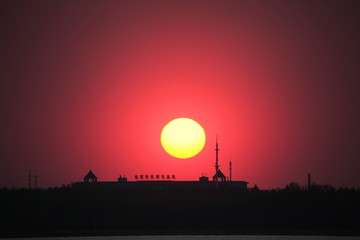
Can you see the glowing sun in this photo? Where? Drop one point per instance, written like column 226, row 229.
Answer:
column 183, row 138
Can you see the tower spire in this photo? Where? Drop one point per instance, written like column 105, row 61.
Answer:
column 216, row 161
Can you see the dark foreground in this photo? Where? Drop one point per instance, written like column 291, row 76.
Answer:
column 81, row 212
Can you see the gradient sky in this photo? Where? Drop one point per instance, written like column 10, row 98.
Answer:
column 90, row 84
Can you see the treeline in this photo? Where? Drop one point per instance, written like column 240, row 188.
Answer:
column 322, row 210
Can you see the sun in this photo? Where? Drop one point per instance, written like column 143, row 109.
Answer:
column 183, row 138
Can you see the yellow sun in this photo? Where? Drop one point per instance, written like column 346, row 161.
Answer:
column 183, row 138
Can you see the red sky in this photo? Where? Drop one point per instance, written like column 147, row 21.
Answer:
column 90, row 84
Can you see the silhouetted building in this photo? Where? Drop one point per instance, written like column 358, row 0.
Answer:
column 219, row 175
column 165, row 181
column 90, row 177
column 122, row 179
column 203, row 179
column 90, row 181
column 256, row 188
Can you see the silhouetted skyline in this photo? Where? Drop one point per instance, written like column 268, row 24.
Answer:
column 90, row 84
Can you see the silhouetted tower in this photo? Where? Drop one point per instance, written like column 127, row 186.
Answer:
column 230, row 167
column 218, row 173
column 217, row 161
column 29, row 179
column 309, row 180
column 90, row 177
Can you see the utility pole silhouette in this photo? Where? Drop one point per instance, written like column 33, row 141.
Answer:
column 31, row 184
column 35, row 181
column 309, row 181
column 29, row 179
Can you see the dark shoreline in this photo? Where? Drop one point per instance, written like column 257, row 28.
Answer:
column 225, row 211
column 177, row 232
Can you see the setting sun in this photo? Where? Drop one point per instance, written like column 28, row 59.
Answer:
column 183, row 138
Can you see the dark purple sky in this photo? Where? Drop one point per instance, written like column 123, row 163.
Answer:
column 90, row 84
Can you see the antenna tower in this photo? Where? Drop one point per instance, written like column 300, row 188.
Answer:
column 230, row 166
column 217, row 162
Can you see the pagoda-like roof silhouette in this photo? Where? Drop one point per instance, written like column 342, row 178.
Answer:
column 219, row 175
column 90, row 176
